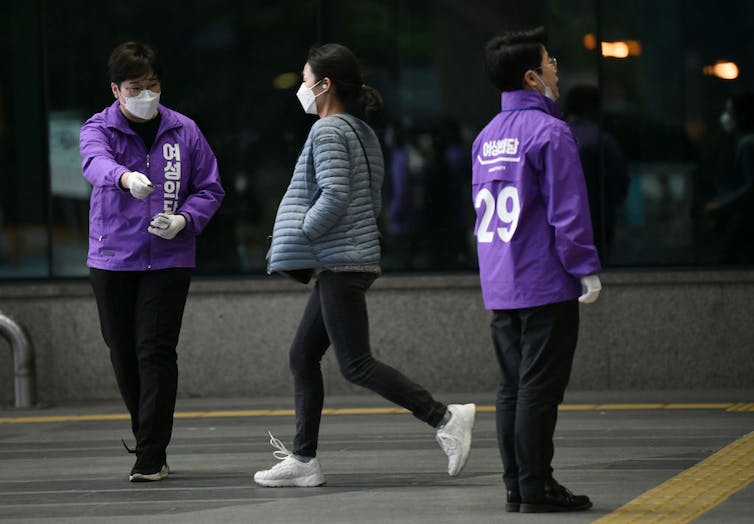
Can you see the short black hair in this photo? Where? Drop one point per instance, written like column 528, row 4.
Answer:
column 508, row 56
column 133, row 60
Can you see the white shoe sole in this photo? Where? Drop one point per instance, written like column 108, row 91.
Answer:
column 312, row 481
column 151, row 477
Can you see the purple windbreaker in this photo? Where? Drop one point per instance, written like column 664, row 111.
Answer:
column 182, row 165
column 534, row 233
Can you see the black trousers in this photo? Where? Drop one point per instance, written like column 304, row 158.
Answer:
column 140, row 316
column 535, row 348
column 337, row 314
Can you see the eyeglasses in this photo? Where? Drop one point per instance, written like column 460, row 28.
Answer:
column 136, row 90
column 553, row 62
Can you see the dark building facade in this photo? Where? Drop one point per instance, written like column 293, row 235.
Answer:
column 660, row 75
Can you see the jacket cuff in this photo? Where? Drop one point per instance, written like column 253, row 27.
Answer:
column 189, row 223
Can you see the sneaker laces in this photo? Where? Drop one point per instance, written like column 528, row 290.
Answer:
column 123, row 441
column 449, row 443
column 281, row 453
column 559, row 489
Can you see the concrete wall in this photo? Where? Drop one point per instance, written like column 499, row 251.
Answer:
column 658, row 330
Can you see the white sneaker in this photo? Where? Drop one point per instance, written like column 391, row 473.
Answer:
column 290, row 471
column 455, row 436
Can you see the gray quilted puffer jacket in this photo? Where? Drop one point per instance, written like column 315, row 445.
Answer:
column 327, row 218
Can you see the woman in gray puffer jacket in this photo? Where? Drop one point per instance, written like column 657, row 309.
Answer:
column 326, row 226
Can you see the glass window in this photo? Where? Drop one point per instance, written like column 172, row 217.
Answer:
column 669, row 70
column 23, row 182
column 643, row 84
column 234, row 68
column 426, row 58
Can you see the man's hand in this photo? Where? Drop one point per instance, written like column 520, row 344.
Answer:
column 590, row 287
column 137, row 183
column 166, row 225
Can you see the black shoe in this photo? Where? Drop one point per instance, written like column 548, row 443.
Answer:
column 147, row 471
column 513, row 501
column 149, row 475
column 557, row 498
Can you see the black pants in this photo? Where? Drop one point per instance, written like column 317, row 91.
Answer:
column 535, row 348
column 337, row 314
column 140, row 316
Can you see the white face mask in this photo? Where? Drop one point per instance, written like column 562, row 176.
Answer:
column 144, row 105
column 307, row 98
column 548, row 91
column 727, row 122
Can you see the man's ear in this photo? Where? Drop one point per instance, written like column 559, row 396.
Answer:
column 114, row 88
column 530, row 81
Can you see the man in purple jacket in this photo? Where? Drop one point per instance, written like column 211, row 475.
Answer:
column 537, row 261
column 155, row 187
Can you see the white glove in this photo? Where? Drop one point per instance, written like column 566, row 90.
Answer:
column 590, row 287
column 138, row 184
column 167, row 226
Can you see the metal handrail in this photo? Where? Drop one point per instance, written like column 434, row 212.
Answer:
column 25, row 378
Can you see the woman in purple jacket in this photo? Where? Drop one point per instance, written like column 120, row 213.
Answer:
column 537, row 261
column 155, row 187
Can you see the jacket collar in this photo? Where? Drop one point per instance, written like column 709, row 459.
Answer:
column 115, row 119
column 528, row 99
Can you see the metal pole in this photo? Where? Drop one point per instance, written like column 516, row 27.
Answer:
column 25, row 379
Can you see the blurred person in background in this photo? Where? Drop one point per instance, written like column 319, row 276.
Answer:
column 733, row 206
column 602, row 160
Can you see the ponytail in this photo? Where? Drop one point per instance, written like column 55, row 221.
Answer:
column 371, row 103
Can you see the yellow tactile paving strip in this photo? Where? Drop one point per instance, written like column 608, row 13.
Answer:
column 693, row 492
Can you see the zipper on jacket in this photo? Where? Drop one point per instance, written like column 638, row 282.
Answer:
column 149, row 239
column 157, row 137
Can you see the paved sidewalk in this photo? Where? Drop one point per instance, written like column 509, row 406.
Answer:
column 380, row 466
